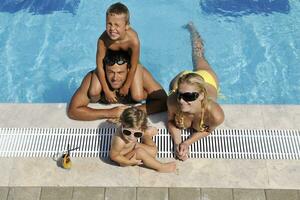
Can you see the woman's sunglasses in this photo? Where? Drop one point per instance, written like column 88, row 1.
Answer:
column 188, row 96
column 127, row 132
column 114, row 61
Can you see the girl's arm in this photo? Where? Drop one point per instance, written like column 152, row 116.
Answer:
column 115, row 153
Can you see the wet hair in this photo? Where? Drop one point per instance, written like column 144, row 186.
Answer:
column 115, row 56
column 134, row 118
column 119, row 8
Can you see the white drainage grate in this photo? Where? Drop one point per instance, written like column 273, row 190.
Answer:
column 225, row 144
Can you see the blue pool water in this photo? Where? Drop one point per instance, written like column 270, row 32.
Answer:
column 46, row 47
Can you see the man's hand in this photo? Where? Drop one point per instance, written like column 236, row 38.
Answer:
column 110, row 96
column 124, row 90
column 118, row 110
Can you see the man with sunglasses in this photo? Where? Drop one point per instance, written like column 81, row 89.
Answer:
column 116, row 65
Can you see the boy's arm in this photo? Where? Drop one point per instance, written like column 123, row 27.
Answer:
column 135, row 48
column 116, row 147
column 101, row 51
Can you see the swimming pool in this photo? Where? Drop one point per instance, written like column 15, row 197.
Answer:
column 254, row 46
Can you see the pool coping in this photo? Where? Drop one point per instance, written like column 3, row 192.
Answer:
column 204, row 173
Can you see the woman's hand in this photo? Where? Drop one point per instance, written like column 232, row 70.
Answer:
column 182, row 151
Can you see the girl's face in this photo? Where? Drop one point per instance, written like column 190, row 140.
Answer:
column 116, row 26
column 189, row 99
column 132, row 134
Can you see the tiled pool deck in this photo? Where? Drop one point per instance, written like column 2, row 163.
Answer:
column 196, row 178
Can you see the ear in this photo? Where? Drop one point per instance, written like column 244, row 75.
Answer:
column 201, row 96
column 127, row 27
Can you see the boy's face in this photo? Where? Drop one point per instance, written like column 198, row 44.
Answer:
column 116, row 26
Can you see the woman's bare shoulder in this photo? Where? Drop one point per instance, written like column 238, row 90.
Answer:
column 216, row 112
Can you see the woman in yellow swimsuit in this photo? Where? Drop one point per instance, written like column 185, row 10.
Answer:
column 192, row 100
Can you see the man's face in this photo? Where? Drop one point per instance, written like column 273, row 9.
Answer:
column 116, row 75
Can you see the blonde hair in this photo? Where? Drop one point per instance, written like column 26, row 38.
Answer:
column 197, row 81
column 134, row 118
column 119, row 8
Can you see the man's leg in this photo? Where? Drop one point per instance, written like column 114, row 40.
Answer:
column 95, row 88
column 136, row 89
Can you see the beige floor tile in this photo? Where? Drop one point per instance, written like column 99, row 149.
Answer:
column 88, row 193
column 24, row 193
column 84, row 172
column 4, row 193
column 56, row 193
column 216, row 194
column 124, row 193
column 184, row 193
column 282, row 195
column 210, row 173
column 6, row 165
column 151, row 193
column 249, row 194
column 284, row 174
column 242, row 117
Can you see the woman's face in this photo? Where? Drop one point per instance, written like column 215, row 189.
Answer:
column 189, row 99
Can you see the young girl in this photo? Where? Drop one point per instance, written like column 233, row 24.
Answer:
column 127, row 151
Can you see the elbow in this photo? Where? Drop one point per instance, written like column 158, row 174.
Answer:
column 72, row 113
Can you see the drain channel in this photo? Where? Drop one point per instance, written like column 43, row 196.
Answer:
column 222, row 144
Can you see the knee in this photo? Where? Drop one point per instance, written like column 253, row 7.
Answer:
column 94, row 92
column 138, row 96
column 139, row 152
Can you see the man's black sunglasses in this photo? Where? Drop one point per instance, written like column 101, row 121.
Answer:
column 135, row 134
column 188, row 96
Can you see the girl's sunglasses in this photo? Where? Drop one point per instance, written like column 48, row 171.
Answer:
column 114, row 61
column 127, row 132
column 188, row 96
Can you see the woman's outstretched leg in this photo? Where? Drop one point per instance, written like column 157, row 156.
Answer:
column 199, row 61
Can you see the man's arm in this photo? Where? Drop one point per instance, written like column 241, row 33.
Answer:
column 156, row 96
column 78, row 108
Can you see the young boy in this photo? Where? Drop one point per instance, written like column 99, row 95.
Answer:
column 118, row 36
column 126, row 151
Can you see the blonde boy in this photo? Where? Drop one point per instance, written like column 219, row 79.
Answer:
column 118, row 36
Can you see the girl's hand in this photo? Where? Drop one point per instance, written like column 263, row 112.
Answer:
column 135, row 161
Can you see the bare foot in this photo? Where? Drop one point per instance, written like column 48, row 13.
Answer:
column 197, row 41
column 167, row 167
